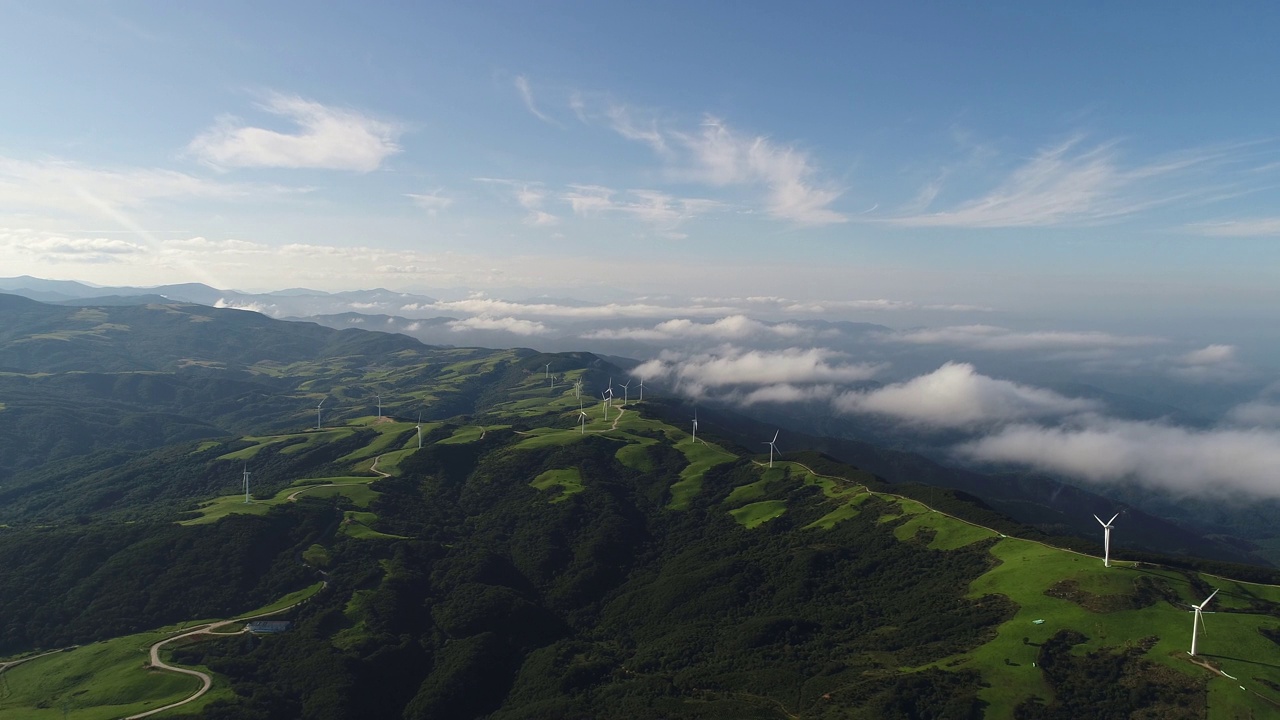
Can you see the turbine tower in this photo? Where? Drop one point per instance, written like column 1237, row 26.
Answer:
column 419, row 426
column 582, row 417
column 641, row 390
column 695, row 425
column 379, row 406
column 625, row 385
column 1106, row 538
column 246, row 483
column 318, row 412
column 604, row 402
column 547, row 372
column 1198, row 621
column 772, row 446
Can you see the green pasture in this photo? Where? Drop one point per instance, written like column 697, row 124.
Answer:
column 758, row 513
column 568, row 480
column 702, row 456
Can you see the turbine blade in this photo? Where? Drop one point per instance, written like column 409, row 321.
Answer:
column 1113, row 518
column 775, row 436
column 1095, row 517
column 1206, row 600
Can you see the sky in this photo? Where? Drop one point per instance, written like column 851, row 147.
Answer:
column 1094, row 181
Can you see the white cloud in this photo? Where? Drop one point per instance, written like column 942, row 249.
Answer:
column 1212, row 363
column 622, row 123
column 530, row 196
column 494, row 306
column 61, row 248
column 694, row 373
column 505, row 324
column 991, row 337
column 1064, row 185
column 1210, row 355
column 1201, row 462
column 326, row 137
column 733, row 327
column 247, row 306
column 526, row 94
column 723, row 157
column 650, row 206
column 785, row 393
column 1256, row 413
column 433, row 202
column 955, row 396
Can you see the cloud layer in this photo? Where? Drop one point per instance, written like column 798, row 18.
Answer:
column 1199, row 462
column 957, row 396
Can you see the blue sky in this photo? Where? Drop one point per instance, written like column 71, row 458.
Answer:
column 1097, row 164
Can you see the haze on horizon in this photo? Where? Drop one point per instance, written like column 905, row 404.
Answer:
column 1089, row 186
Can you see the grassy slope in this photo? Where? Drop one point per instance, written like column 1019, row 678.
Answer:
column 1023, row 571
column 110, row 679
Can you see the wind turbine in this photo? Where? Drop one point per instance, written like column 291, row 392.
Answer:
column 1198, row 621
column 546, row 373
column 1106, row 538
column 695, row 426
column 419, row 426
column 604, row 402
column 583, row 418
column 577, row 389
column 318, row 411
column 379, row 405
column 246, row 483
column 641, row 389
column 625, row 385
column 772, row 446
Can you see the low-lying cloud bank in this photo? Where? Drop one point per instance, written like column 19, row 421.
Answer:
column 957, row 396
column 694, row 374
column 992, row 337
column 732, row 327
column 1196, row 462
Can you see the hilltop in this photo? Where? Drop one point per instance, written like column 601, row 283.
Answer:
column 506, row 557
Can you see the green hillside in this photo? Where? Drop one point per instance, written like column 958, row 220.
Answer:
column 523, row 563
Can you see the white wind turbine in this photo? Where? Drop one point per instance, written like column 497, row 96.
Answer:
column 379, row 405
column 641, row 389
column 246, row 483
column 547, row 373
column 318, row 411
column 1106, row 538
column 695, row 426
column 625, row 385
column 419, row 426
column 582, row 418
column 772, row 446
column 604, row 402
column 1198, row 621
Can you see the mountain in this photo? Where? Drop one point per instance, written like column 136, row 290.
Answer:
column 509, row 555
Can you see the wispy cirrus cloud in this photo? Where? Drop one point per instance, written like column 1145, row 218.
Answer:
column 530, row 104
column 529, row 195
column 1241, row 228
column 1068, row 184
column 723, row 156
column 55, row 184
column 991, row 337
column 957, row 396
column 325, row 138
column 433, row 202
column 661, row 210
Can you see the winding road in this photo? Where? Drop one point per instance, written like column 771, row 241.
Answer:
column 206, row 681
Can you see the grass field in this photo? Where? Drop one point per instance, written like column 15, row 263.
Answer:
column 568, row 480
column 758, row 513
column 702, row 456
